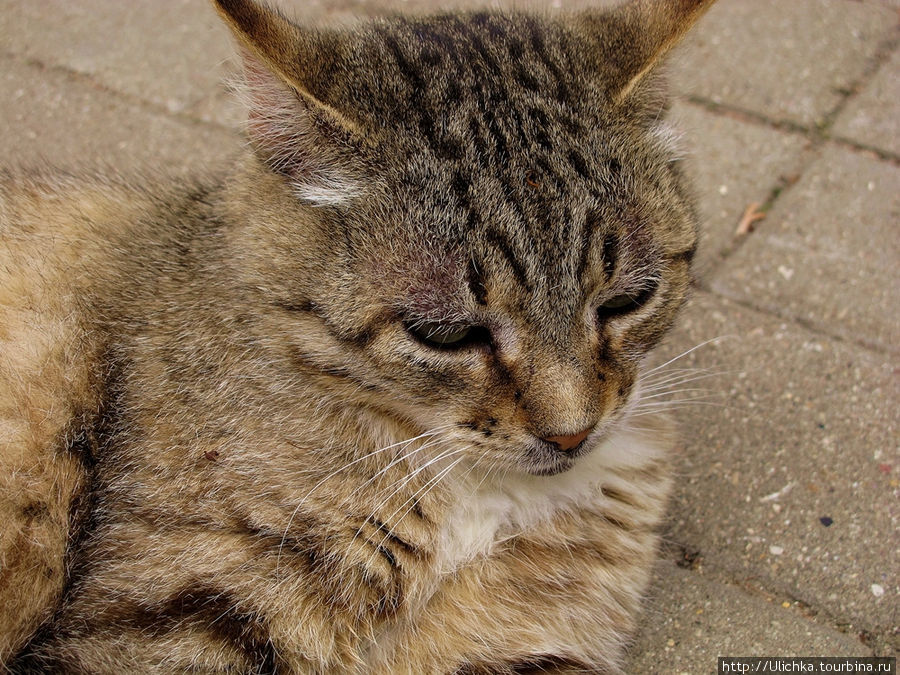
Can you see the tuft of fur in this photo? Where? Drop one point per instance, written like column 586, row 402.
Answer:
column 228, row 441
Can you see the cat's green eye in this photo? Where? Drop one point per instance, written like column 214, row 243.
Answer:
column 447, row 335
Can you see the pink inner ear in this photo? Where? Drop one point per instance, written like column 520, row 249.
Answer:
column 256, row 73
column 276, row 117
column 294, row 138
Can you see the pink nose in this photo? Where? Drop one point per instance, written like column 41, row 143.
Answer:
column 568, row 442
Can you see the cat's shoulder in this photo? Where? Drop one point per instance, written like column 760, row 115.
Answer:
column 62, row 208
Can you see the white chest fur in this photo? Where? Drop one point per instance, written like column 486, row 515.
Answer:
column 493, row 509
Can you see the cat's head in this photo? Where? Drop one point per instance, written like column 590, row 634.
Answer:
column 473, row 221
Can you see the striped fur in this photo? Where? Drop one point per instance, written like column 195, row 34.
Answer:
column 224, row 449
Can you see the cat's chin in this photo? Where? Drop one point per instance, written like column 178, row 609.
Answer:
column 547, row 461
column 547, row 469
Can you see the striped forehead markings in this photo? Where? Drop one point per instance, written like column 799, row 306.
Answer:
column 475, row 279
column 485, row 54
column 585, row 240
column 501, row 242
column 493, row 59
column 610, row 254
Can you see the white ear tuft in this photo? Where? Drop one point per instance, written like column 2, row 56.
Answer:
column 327, row 191
column 668, row 138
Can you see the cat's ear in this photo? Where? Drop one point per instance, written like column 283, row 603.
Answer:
column 291, row 123
column 631, row 39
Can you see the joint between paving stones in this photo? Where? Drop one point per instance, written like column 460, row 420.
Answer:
column 856, row 146
column 797, row 320
column 883, row 53
column 869, row 635
column 818, row 137
column 129, row 99
column 772, row 591
column 783, row 183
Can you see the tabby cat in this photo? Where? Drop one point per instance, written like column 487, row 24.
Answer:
column 368, row 402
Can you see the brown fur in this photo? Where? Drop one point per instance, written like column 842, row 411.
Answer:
column 225, row 443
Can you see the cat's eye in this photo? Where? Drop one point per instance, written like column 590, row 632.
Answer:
column 618, row 302
column 623, row 303
column 447, row 335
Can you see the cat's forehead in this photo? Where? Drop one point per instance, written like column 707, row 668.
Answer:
column 497, row 145
column 415, row 71
column 485, row 246
column 484, row 44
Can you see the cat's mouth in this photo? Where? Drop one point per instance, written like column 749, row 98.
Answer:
column 546, row 459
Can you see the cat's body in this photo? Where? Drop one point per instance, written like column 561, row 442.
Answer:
column 361, row 405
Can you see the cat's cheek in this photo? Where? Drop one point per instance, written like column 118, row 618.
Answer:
column 613, row 386
column 623, row 394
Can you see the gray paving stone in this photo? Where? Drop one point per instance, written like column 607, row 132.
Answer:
column 733, row 163
column 166, row 51
column 789, row 428
column 691, row 620
column 828, row 252
column 51, row 118
column 786, row 60
column 873, row 117
column 223, row 106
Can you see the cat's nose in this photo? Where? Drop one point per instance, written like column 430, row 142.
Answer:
column 569, row 442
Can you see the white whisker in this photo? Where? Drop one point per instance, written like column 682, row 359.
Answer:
column 677, row 406
column 686, row 352
column 417, row 495
column 402, row 443
column 400, row 484
column 668, row 393
column 674, row 380
column 399, row 458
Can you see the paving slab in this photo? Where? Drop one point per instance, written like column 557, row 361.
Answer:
column 785, row 60
column 873, row 118
column 690, row 620
column 167, row 52
column 734, row 163
column 790, row 472
column 52, row 119
column 828, row 253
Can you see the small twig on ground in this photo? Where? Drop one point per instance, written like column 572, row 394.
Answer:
column 751, row 215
